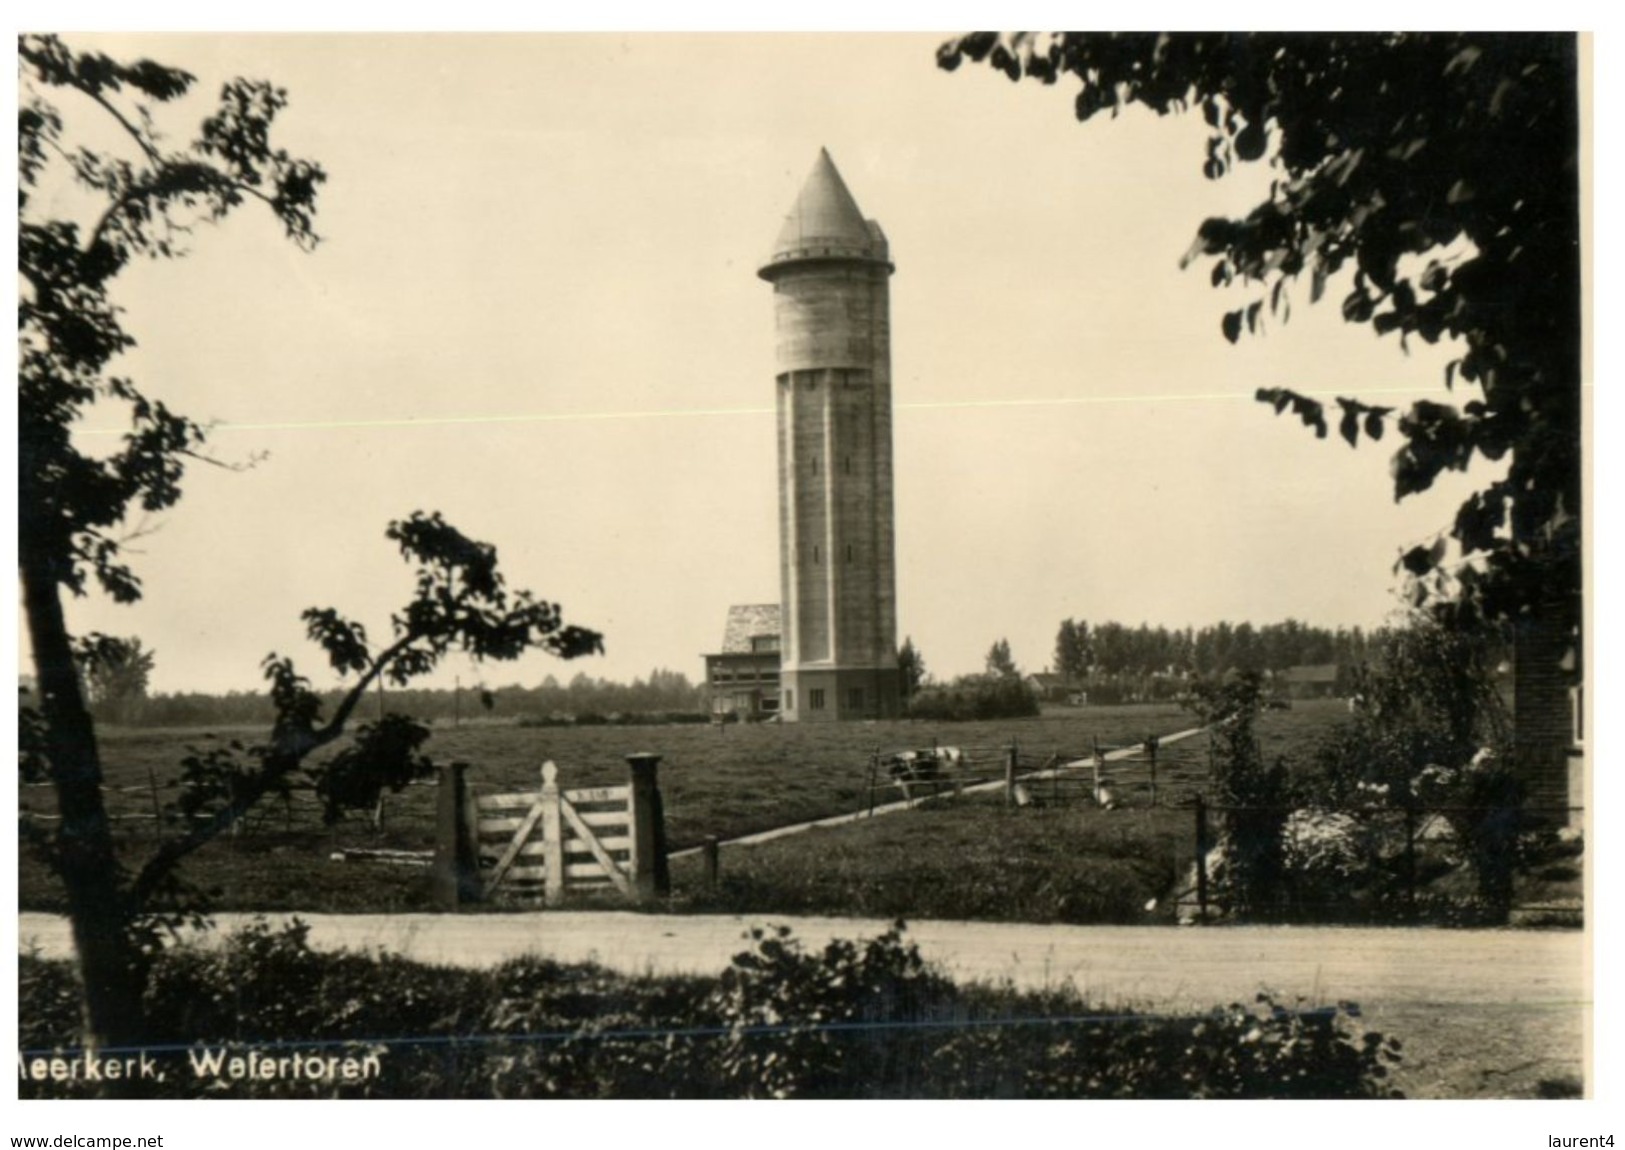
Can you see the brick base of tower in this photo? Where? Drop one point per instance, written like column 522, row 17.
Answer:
column 828, row 696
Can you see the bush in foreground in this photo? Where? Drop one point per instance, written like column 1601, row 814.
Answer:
column 853, row 1020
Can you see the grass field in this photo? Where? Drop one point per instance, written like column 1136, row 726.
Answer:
column 968, row 858
column 724, row 782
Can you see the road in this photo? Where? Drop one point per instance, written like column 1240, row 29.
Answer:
column 1483, row 1013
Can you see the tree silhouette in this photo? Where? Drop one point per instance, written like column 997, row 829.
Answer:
column 73, row 506
column 1442, row 171
column 910, row 668
column 999, row 661
column 116, row 673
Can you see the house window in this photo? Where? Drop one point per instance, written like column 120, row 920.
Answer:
column 854, row 699
column 815, row 698
column 764, row 643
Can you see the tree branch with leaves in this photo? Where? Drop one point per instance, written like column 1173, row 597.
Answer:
column 460, row 603
column 72, row 505
column 1442, row 172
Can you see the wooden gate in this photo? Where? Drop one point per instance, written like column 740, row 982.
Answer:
column 551, row 842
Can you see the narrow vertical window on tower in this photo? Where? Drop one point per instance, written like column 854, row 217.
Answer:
column 815, row 465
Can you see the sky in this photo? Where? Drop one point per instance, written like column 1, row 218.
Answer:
column 535, row 309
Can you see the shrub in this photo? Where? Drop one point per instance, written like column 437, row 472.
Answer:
column 1430, row 730
column 975, row 697
column 1326, row 856
column 821, row 1024
column 853, row 1020
column 1255, row 798
column 1235, row 1051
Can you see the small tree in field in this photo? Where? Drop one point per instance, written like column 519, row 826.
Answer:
column 116, row 673
column 910, row 669
column 1254, row 794
column 1000, row 663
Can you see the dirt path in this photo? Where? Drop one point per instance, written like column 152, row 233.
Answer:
column 1483, row 1013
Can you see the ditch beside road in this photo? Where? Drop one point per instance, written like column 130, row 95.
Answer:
column 1482, row 1013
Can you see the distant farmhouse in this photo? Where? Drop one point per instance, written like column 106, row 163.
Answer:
column 1052, row 688
column 836, row 634
column 1309, row 681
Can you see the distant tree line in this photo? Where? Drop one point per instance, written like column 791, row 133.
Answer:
column 662, row 691
column 1118, row 663
column 1107, row 651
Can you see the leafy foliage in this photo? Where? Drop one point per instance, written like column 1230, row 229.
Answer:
column 911, row 668
column 863, row 1019
column 1441, row 170
column 71, row 504
column 145, row 198
column 1429, row 732
column 972, row 697
column 74, row 507
column 999, row 661
column 1073, row 653
column 460, row 604
column 1255, row 796
column 385, row 754
column 116, row 673
column 799, row 1022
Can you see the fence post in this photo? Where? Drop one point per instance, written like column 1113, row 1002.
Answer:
column 456, row 869
column 874, row 777
column 1151, row 750
column 157, row 807
column 1094, row 763
column 1410, row 863
column 552, row 836
column 1201, row 857
column 650, row 876
column 1010, row 775
column 713, row 862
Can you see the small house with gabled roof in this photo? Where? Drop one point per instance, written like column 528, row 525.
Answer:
column 743, row 677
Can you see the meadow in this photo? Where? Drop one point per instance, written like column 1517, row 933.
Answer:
column 727, row 782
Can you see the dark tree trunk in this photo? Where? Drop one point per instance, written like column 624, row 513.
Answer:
column 110, row 965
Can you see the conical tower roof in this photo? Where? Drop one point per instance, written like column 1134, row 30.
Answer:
column 826, row 223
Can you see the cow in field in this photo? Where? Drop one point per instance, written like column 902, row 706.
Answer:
column 929, row 765
column 932, row 766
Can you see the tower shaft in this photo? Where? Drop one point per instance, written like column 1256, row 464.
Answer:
column 830, row 274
